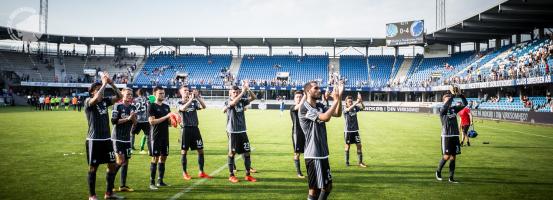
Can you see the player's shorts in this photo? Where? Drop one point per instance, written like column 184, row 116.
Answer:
column 99, row 152
column 352, row 137
column 191, row 138
column 141, row 126
column 239, row 143
column 123, row 148
column 451, row 146
column 158, row 146
column 465, row 129
column 318, row 173
column 298, row 141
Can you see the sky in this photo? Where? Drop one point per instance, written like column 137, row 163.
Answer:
column 233, row 18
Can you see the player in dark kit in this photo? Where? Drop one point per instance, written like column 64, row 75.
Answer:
column 99, row 147
column 298, row 138
column 159, row 137
column 123, row 117
column 236, row 129
column 450, row 133
column 142, row 124
column 351, row 128
column 313, row 117
column 190, row 133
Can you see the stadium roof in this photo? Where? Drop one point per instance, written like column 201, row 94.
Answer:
column 501, row 21
column 6, row 33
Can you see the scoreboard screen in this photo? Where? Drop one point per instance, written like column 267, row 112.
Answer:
column 405, row 33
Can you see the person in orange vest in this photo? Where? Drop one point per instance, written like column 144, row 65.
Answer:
column 47, row 103
column 74, row 103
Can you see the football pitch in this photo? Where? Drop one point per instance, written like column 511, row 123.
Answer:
column 43, row 157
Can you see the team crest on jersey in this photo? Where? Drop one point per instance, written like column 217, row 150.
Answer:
column 239, row 108
column 102, row 108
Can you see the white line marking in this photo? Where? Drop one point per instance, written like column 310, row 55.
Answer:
column 201, row 181
column 519, row 132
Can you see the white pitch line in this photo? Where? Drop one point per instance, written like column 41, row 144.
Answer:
column 201, row 181
column 520, row 132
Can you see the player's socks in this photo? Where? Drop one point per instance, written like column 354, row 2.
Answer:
column 184, row 162
column 309, row 197
column 360, row 157
column 132, row 141
column 324, row 195
column 124, row 170
column 248, row 164
column 161, row 168
column 231, row 165
column 297, row 164
column 92, row 183
column 117, row 167
column 451, row 169
column 110, row 177
column 153, row 168
column 201, row 162
column 347, row 158
column 441, row 165
column 142, row 142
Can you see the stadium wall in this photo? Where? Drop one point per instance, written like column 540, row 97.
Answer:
column 525, row 117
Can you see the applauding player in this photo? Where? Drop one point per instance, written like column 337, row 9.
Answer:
column 191, row 138
column 123, row 117
column 351, row 129
column 313, row 117
column 159, row 113
column 99, row 147
column 451, row 145
column 236, row 129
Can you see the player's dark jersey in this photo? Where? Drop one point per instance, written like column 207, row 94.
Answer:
column 141, row 104
column 98, row 119
column 296, row 128
column 121, row 132
column 160, row 130
column 448, row 116
column 316, row 145
column 236, row 120
column 190, row 115
column 350, row 117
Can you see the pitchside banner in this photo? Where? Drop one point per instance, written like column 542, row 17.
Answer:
column 405, row 33
column 529, row 117
column 397, row 109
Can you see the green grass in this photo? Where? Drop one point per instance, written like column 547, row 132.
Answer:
column 401, row 149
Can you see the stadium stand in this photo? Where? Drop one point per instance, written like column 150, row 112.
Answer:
column 422, row 70
column 378, row 68
column 199, row 69
column 26, row 65
column 521, row 104
column 262, row 69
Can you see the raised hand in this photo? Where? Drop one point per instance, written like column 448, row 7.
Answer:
column 105, row 78
column 339, row 87
column 326, row 95
column 109, row 81
column 245, row 85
